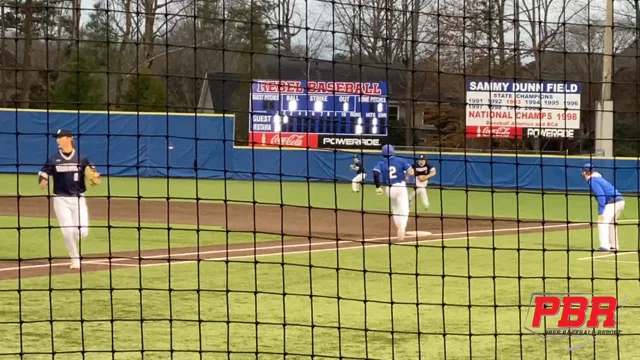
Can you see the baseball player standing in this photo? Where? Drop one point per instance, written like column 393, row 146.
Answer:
column 68, row 170
column 393, row 172
column 424, row 171
column 610, row 207
column 358, row 167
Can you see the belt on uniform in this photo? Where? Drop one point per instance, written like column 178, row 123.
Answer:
column 614, row 201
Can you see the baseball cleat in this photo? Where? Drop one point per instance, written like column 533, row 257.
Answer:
column 75, row 265
column 602, row 249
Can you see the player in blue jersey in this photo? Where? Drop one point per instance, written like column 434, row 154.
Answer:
column 610, row 207
column 393, row 173
column 68, row 170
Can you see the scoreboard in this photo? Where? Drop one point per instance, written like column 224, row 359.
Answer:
column 327, row 113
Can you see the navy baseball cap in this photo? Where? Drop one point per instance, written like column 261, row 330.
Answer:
column 421, row 157
column 587, row 167
column 63, row 132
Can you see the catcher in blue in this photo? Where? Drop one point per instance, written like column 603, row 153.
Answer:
column 68, row 170
column 358, row 167
column 394, row 172
column 423, row 172
column 610, row 207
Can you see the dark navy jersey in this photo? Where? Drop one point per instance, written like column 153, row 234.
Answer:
column 358, row 168
column 67, row 171
column 422, row 170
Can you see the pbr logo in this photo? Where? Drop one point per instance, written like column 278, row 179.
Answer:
column 554, row 316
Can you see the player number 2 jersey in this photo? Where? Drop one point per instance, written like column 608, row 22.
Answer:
column 392, row 170
column 67, row 171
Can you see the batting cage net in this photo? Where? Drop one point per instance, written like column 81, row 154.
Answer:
column 298, row 179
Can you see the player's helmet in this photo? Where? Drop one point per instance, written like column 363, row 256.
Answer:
column 388, row 150
column 587, row 168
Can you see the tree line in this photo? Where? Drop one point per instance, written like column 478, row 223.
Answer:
column 152, row 55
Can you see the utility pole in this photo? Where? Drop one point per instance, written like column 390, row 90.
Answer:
column 410, row 93
column 604, row 109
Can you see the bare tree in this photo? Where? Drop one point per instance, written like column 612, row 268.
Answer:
column 125, row 30
column 544, row 23
column 27, row 60
column 475, row 36
column 154, row 20
column 377, row 31
column 288, row 22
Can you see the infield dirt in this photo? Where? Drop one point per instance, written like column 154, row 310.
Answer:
column 305, row 229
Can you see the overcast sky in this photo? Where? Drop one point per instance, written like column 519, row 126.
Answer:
column 318, row 14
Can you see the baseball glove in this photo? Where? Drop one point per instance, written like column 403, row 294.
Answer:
column 422, row 178
column 92, row 175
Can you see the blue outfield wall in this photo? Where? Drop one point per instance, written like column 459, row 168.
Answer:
column 161, row 145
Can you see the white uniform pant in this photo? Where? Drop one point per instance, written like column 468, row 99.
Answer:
column 355, row 182
column 399, row 198
column 608, row 229
column 421, row 192
column 73, row 218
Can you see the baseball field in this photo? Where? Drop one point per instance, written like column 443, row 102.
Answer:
column 186, row 269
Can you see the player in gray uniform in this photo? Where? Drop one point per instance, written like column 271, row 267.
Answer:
column 424, row 171
column 358, row 167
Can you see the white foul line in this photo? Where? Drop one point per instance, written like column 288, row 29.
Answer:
column 99, row 261
column 608, row 255
column 172, row 263
column 617, row 261
column 356, row 247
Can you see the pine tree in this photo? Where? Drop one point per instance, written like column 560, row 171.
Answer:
column 146, row 92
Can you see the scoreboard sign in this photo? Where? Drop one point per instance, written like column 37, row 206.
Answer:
column 505, row 108
column 320, row 113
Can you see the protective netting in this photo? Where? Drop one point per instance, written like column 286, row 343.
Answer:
column 244, row 207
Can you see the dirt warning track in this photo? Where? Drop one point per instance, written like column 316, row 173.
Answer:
column 305, row 229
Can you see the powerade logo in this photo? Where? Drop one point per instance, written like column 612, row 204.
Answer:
column 550, row 133
column 336, row 141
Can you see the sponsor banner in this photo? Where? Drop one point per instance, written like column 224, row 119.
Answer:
column 275, row 139
column 351, row 142
column 523, row 104
column 496, row 132
column 549, row 133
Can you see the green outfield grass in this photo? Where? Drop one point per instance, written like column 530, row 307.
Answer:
column 473, row 202
column 215, row 306
column 35, row 238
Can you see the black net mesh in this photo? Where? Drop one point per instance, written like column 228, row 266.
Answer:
column 384, row 179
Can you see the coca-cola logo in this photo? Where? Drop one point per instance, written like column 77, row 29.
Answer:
column 503, row 132
column 289, row 140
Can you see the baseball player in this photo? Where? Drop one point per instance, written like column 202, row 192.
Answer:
column 393, row 172
column 424, row 171
column 358, row 167
column 68, row 170
column 610, row 207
